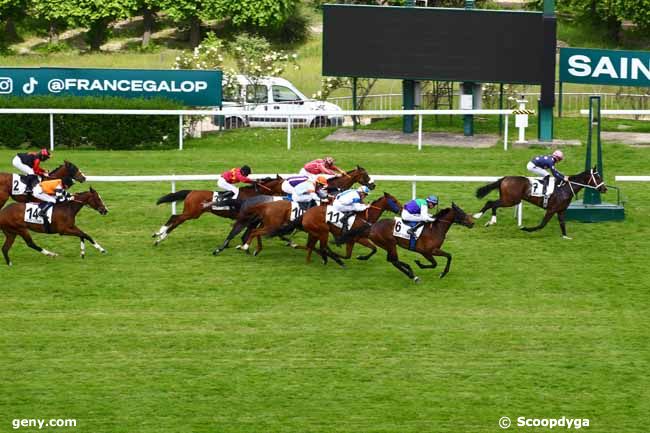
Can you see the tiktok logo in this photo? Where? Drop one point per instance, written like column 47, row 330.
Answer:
column 29, row 88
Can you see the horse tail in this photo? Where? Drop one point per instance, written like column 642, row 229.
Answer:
column 362, row 231
column 484, row 190
column 287, row 228
column 174, row 196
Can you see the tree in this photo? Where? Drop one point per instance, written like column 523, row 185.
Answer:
column 148, row 9
column 191, row 12
column 96, row 16
column 10, row 11
column 55, row 13
column 261, row 13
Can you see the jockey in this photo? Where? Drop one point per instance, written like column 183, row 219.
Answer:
column 541, row 163
column 418, row 210
column 349, row 202
column 321, row 166
column 51, row 192
column 291, row 182
column 230, row 177
column 30, row 164
column 309, row 191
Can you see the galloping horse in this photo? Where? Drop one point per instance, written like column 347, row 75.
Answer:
column 251, row 217
column 63, row 222
column 68, row 169
column 315, row 224
column 514, row 189
column 194, row 203
column 428, row 244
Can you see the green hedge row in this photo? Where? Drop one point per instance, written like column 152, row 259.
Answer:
column 98, row 131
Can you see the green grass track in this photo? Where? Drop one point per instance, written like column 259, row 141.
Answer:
column 172, row 339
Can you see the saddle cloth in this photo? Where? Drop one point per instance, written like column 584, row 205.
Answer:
column 31, row 210
column 536, row 187
column 400, row 230
column 17, row 185
column 216, row 197
column 335, row 217
column 296, row 211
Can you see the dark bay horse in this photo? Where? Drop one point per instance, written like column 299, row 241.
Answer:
column 315, row 224
column 194, row 203
column 12, row 223
column 251, row 217
column 514, row 189
column 428, row 244
column 67, row 169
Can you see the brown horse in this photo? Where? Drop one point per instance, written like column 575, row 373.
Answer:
column 194, row 204
column 315, row 224
column 428, row 244
column 514, row 189
column 12, row 223
column 251, row 217
column 68, row 169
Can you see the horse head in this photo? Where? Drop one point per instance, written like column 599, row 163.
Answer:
column 92, row 199
column 269, row 185
column 70, row 170
column 359, row 174
column 596, row 180
column 460, row 217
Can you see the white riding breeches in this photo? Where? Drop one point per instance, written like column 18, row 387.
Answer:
column 539, row 171
column 352, row 207
column 39, row 194
column 407, row 216
column 21, row 166
column 224, row 184
column 287, row 188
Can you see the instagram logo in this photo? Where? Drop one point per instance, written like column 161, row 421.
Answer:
column 6, row 85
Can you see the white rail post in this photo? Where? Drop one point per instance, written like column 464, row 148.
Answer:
column 180, row 132
column 520, row 210
column 173, row 191
column 51, row 131
column 414, row 189
column 505, row 135
column 288, row 132
column 419, row 132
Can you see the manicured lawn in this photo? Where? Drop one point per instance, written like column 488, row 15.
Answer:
column 172, row 339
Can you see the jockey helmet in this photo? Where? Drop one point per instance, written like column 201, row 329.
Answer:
column 321, row 180
column 432, row 199
column 328, row 160
column 67, row 182
column 44, row 153
column 558, row 155
column 245, row 170
column 363, row 189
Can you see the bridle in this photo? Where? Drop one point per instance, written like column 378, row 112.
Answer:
column 593, row 179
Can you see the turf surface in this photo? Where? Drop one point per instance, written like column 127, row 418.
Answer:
column 172, row 339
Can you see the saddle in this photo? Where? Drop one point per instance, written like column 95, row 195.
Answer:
column 223, row 200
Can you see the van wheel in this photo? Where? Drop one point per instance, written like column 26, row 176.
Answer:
column 320, row 122
column 233, row 122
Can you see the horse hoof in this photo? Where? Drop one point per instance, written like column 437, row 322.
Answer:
column 566, row 237
column 10, row 264
column 83, row 256
column 255, row 253
column 477, row 215
column 104, row 252
column 416, row 279
column 153, row 236
column 362, row 258
column 442, row 275
column 216, row 252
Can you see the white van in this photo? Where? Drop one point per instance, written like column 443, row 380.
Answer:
column 260, row 98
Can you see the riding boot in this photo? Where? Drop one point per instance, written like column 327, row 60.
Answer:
column 544, row 184
column 346, row 215
column 414, row 229
column 42, row 213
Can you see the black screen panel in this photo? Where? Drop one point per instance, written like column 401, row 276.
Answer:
column 432, row 44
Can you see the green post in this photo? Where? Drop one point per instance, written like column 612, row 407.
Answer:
column 546, row 113
column 592, row 196
column 354, row 102
column 408, row 100
column 500, row 108
column 559, row 104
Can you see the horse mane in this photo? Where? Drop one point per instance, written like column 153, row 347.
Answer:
column 442, row 213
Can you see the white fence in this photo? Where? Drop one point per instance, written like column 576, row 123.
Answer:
column 289, row 114
column 632, row 178
column 414, row 179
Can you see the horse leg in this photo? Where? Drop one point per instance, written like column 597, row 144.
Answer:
column 560, row 218
column 236, row 229
column 336, row 257
column 439, row 252
column 30, row 243
column 311, row 243
column 545, row 220
column 10, row 237
column 488, row 205
column 392, row 257
column 430, row 258
column 75, row 231
column 368, row 244
column 493, row 205
column 3, row 200
column 165, row 226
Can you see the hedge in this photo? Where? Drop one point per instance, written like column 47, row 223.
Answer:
column 98, row 131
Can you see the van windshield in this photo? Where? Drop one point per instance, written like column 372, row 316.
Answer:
column 284, row 94
column 256, row 94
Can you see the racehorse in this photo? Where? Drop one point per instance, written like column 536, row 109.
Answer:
column 194, row 204
column 249, row 220
column 63, row 222
column 315, row 224
column 428, row 244
column 514, row 189
column 68, row 169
